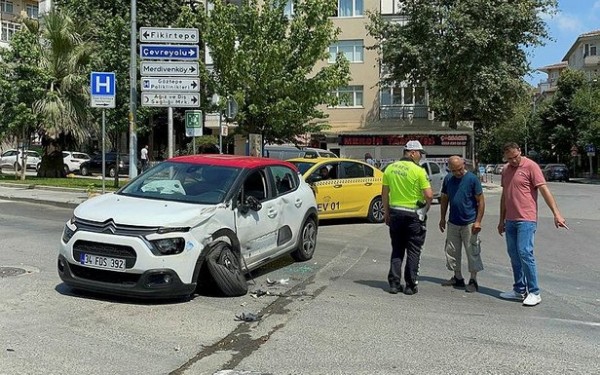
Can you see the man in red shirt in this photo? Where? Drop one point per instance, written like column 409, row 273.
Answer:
column 521, row 180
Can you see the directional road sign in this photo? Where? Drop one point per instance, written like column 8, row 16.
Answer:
column 103, row 89
column 170, row 84
column 170, row 99
column 169, row 68
column 168, row 35
column 169, row 52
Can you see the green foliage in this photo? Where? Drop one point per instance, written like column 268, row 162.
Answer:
column 22, row 82
column 267, row 62
column 87, row 184
column 562, row 120
column 470, row 53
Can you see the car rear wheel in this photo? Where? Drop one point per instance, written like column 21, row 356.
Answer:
column 376, row 211
column 307, row 242
column 225, row 268
column 66, row 169
column 112, row 171
column 84, row 170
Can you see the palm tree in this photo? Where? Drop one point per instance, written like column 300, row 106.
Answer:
column 65, row 55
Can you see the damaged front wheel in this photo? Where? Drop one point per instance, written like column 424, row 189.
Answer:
column 225, row 268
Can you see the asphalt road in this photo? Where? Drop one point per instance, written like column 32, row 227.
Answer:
column 332, row 315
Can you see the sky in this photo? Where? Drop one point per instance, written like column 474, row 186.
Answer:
column 574, row 18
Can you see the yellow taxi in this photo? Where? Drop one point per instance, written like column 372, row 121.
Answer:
column 344, row 188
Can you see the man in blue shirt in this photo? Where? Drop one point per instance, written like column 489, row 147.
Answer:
column 462, row 191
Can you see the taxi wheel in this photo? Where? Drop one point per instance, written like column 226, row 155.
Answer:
column 307, row 241
column 226, row 270
column 376, row 211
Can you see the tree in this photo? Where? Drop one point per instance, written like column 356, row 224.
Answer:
column 562, row 120
column 21, row 84
column 469, row 53
column 65, row 56
column 267, row 62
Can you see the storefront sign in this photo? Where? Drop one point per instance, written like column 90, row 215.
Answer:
column 400, row 140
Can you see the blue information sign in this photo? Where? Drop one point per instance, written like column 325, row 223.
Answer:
column 169, row 52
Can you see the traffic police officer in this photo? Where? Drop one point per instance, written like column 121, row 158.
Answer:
column 406, row 195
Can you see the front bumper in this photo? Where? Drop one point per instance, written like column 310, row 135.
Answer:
column 155, row 283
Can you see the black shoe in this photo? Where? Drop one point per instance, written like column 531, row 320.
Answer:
column 395, row 289
column 472, row 287
column 459, row 283
column 410, row 291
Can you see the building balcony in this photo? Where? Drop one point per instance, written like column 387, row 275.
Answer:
column 591, row 61
column 403, row 111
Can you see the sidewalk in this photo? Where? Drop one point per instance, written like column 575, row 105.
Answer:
column 61, row 197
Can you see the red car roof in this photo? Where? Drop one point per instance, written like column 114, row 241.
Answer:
column 231, row 161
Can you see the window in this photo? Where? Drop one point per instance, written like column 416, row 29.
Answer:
column 284, row 179
column 6, row 6
column 349, row 8
column 32, row 10
column 352, row 50
column 8, row 29
column 350, row 96
column 353, row 170
column 589, row 50
column 402, row 95
column 255, row 186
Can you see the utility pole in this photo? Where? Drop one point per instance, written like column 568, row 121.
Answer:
column 133, row 93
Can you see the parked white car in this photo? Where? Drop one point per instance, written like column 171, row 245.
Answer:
column 436, row 174
column 8, row 159
column 187, row 220
column 73, row 159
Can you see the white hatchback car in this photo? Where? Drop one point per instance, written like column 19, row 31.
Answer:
column 73, row 159
column 9, row 159
column 190, row 219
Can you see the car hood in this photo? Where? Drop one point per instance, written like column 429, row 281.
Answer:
column 144, row 212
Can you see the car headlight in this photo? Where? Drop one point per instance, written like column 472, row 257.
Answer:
column 169, row 246
column 68, row 233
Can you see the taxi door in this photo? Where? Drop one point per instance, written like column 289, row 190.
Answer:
column 357, row 188
column 328, row 190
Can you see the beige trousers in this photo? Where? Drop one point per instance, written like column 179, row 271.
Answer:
column 458, row 236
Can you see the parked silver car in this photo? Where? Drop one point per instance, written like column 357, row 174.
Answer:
column 14, row 159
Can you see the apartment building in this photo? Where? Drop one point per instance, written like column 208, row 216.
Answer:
column 584, row 55
column 11, row 10
column 376, row 119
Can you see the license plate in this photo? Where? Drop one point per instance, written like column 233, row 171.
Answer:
column 96, row 261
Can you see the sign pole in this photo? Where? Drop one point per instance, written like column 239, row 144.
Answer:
column 220, row 132
column 103, row 152
column 170, row 131
column 133, row 92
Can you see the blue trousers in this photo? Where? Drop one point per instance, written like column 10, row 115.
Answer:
column 520, row 237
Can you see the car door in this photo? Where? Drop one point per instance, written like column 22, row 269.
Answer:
column 356, row 188
column 286, row 181
column 328, row 192
column 257, row 229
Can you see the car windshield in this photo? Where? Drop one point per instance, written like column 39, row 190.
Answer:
column 302, row 166
column 183, row 182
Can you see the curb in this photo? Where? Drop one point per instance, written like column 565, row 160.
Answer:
column 59, row 204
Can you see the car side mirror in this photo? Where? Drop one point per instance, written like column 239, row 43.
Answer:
column 251, row 203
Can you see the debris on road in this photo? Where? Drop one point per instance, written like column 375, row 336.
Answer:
column 248, row 317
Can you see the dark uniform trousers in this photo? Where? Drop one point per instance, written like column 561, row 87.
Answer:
column 408, row 236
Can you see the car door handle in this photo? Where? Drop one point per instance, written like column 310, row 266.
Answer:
column 271, row 213
column 337, row 186
column 298, row 202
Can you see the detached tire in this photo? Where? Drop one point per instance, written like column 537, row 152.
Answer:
column 226, row 271
column 307, row 241
column 376, row 211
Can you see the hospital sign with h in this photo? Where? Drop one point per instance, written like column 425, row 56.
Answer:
column 102, row 89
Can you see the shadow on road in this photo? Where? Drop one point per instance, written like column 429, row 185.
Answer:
column 482, row 289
